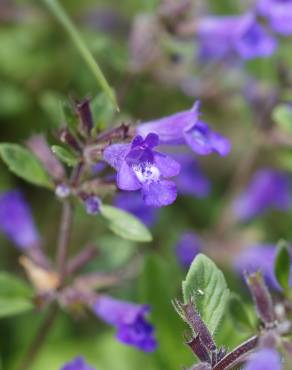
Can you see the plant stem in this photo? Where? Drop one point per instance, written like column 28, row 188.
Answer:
column 232, row 358
column 64, row 238
column 59, row 12
column 39, row 338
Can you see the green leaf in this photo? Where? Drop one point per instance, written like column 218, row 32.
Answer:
column 102, row 110
column 14, row 306
column 238, row 312
column 206, row 285
column 24, row 164
column 282, row 115
column 15, row 295
column 282, row 264
column 69, row 115
column 59, row 12
column 64, row 155
column 125, row 225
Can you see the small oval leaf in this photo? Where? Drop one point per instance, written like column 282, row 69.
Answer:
column 24, row 164
column 206, row 285
column 64, row 155
column 15, row 295
column 282, row 265
column 125, row 225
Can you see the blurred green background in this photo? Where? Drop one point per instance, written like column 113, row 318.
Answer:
column 38, row 67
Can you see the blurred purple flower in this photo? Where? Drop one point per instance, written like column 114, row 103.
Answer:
column 77, row 364
column 188, row 246
column 140, row 167
column 259, row 258
column 268, row 189
column 279, row 14
column 132, row 202
column 264, row 359
column 228, row 36
column 16, row 221
column 186, row 128
column 129, row 320
column 191, row 180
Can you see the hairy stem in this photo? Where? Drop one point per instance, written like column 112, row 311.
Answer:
column 232, row 358
column 39, row 338
column 64, row 238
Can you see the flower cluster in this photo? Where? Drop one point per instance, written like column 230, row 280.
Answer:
column 140, row 167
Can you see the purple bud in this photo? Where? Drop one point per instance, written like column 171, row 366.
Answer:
column 39, row 146
column 188, row 246
column 62, row 191
column 85, row 116
column 92, row 205
column 77, row 364
column 265, row 359
column 129, row 320
column 16, row 221
column 261, row 297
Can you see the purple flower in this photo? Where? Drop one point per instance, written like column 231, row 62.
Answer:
column 259, row 258
column 279, row 14
column 186, row 128
column 191, row 180
column 92, row 205
column 188, row 246
column 215, row 37
column 139, row 167
column 129, row 320
column 264, row 359
column 225, row 37
column 77, row 364
column 252, row 40
column 132, row 202
column 16, row 221
column 268, row 189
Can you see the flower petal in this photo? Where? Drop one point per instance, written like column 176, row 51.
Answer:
column 126, row 178
column 167, row 166
column 170, row 129
column 115, row 154
column 158, row 194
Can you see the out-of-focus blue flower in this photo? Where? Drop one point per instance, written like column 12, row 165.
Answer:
column 186, row 128
column 264, row 359
column 140, row 167
column 279, row 14
column 16, row 221
column 259, row 258
column 268, row 189
column 77, row 364
column 226, row 37
column 129, row 320
column 132, row 202
column 191, row 180
column 188, row 246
